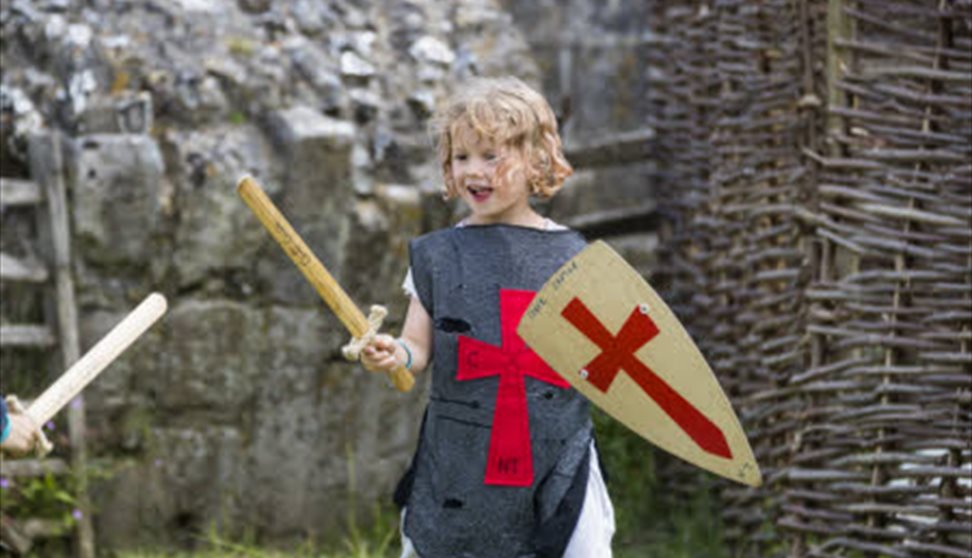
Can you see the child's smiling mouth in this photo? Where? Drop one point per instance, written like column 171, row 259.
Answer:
column 479, row 193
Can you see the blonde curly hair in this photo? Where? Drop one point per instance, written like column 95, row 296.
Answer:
column 506, row 112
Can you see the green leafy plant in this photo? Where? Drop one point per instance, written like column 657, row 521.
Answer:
column 48, row 497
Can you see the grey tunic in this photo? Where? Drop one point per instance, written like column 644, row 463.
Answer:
column 460, row 274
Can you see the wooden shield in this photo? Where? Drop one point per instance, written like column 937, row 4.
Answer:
column 600, row 325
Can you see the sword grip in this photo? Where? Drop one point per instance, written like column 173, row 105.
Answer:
column 402, row 378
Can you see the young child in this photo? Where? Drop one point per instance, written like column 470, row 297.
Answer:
column 505, row 465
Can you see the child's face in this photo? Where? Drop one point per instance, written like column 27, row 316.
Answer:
column 481, row 173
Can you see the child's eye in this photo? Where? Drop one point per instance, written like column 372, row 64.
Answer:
column 459, row 157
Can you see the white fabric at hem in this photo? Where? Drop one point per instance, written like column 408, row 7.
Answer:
column 594, row 530
column 595, row 526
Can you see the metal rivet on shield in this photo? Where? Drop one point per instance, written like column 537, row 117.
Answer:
column 584, row 373
column 643, row 308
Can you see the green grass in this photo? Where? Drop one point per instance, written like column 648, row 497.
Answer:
column 651, row 521
column 376, row 542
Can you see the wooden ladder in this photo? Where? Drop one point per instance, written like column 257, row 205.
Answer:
column 58, row 336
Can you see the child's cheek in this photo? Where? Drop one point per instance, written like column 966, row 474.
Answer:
column 504, row 173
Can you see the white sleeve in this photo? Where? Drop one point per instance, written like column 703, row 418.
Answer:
column 408, row 285
column 595, row 527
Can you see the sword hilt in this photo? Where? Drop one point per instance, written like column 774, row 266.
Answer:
column 42, row 446
column 400, row 376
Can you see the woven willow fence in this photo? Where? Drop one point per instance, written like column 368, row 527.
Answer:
column 816, row 166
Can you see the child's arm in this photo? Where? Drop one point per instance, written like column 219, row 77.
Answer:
column 385, row 352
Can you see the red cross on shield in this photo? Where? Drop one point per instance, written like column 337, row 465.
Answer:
column 599, row 324
column 618, row 353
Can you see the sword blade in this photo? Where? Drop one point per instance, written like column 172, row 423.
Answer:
column 105, row 351
column 293, row 245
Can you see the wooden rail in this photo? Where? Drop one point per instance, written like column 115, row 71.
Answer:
column 45, row 192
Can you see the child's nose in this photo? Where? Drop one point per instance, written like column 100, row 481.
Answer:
column 477, row 166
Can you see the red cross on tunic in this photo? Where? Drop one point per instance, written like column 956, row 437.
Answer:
column 510, row 459
column 618, row 352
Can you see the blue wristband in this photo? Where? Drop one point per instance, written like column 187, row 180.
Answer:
column 408, row 353
column 6, row 430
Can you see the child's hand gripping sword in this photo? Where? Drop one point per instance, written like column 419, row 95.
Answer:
column 89, row 366
column 362, row 329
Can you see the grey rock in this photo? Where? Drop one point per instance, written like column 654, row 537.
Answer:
column 254, row 6
column 321, row 72
column 216, row 233
column 211, row 356
column 431, row 49
column 26, row 10
column 116, row 193
column 361, row 170
column 365, row 104
column 313, row 17
column 470, row 15
column 23, row 120
column 429, row 74
column 368, row 250
column 377, row 254
column 363, row 43
column 300, row 128
column 227, row 69
column 422, row 102
column 354, row 18
column 317, row 151
column 189, row 477
column 317, row 192
column 354, row 66
column 116, row 42
column 123, row 114
column 199, row 98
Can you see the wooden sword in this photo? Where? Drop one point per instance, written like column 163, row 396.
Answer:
column 362, row 329
column 89, row 366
